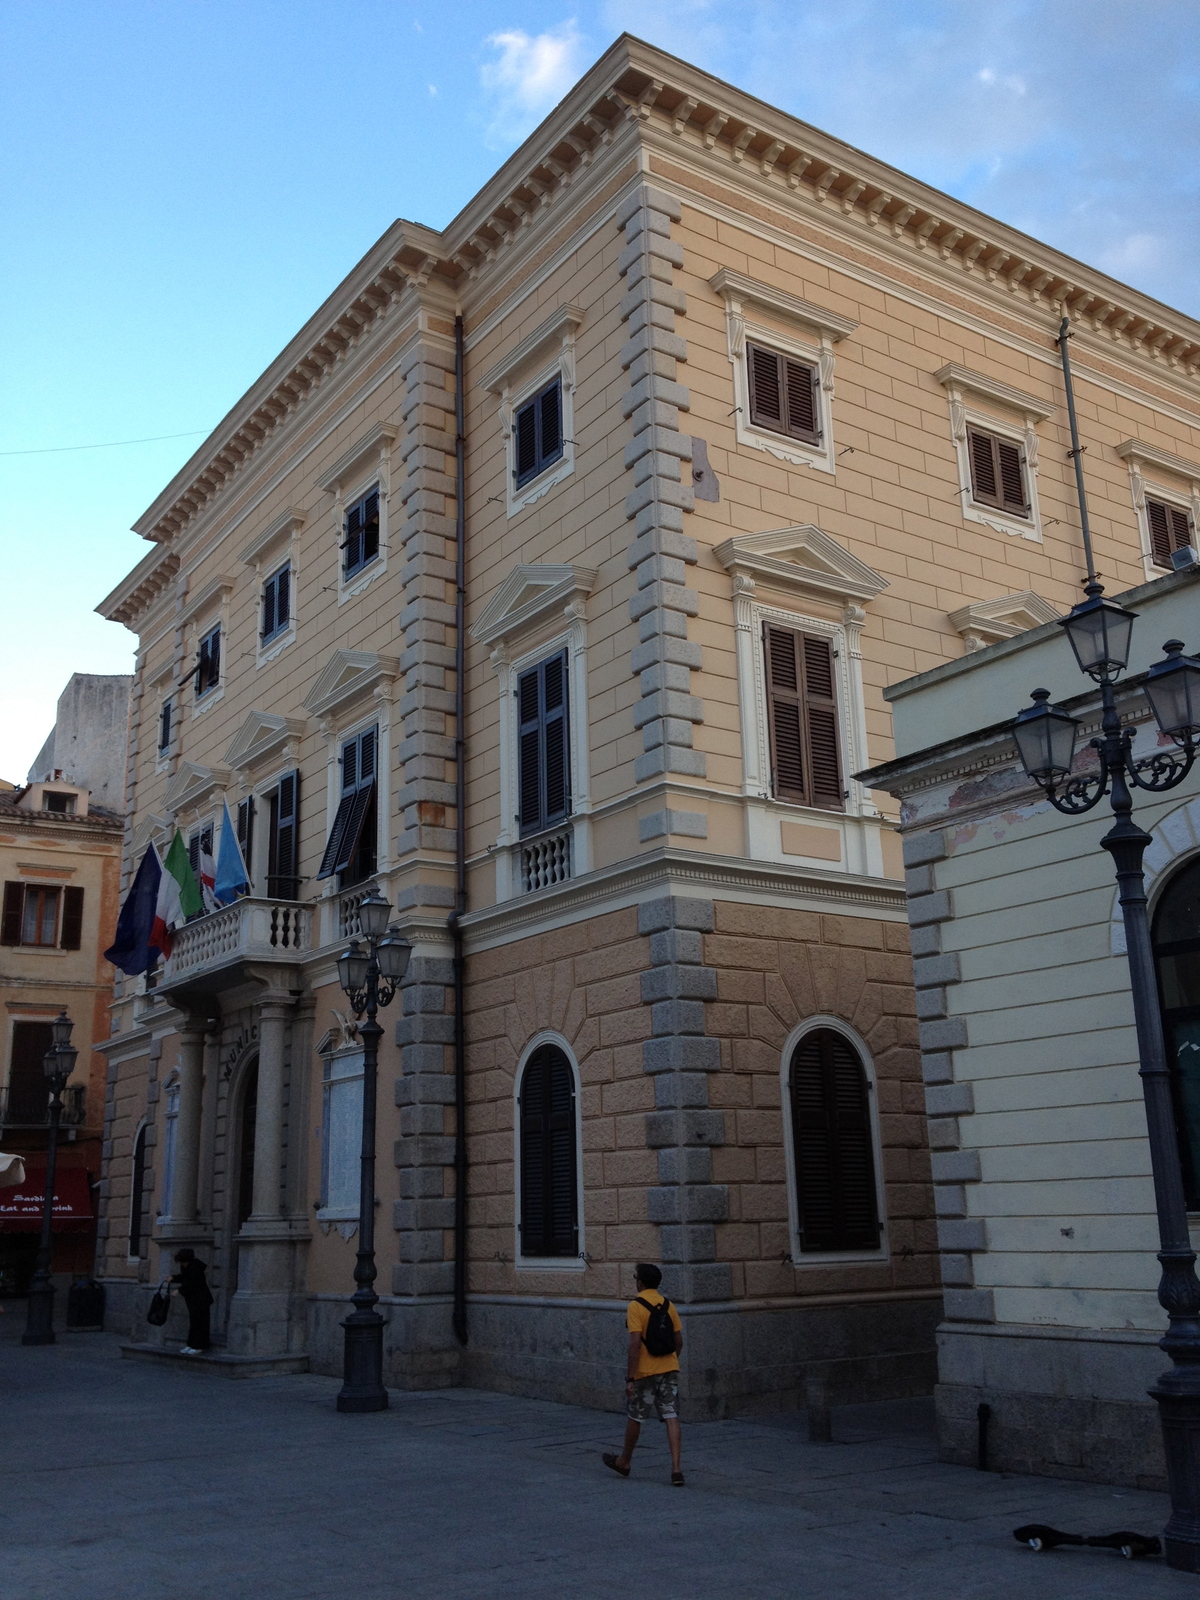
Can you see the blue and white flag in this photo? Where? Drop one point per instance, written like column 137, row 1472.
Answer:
column 232, row 880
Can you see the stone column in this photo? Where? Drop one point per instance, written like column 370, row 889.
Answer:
column 268, row 1126
column 181, row 1222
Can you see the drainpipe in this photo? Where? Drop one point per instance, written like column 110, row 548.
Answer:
column 460, row 845
column 1076, row 453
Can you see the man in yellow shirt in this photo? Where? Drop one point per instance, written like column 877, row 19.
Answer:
column 651, row 1370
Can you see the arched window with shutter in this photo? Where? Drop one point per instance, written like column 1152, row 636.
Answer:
column 548, row 1156
column 138, row 1235
column 833, row 1147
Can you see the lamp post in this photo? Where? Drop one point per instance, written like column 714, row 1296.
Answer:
column 1099, row 631
column 370, row 979
column 58, row 1063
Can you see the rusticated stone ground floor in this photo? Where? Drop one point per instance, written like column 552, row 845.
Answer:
column 127, row 1482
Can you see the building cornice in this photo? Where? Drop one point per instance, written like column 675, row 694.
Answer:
column 1137, row 450
column 634, row 87
column 135, row 595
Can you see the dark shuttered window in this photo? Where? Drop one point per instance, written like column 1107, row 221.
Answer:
column 137, row 1195
column 549, row 1178
column 802, row 717
column 544, row 769
column 537, row 433
column 361, row 542
column 245, row 833
column 277, row 603
column 350, row 850
column 72, row 919
column 208, row 666
column 832, row 1146
column 14, row 908
column 783, row 394
column 283, row 845
column 998, row 473
column 28, row 1096
column 164, row 727
column 1170, row 529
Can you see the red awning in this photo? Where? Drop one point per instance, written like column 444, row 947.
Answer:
column 21, row 1206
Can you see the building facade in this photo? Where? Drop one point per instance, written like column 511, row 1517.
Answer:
column 86, row 745
column 1041, row 1160
column 689, row 1027
column 60, row 864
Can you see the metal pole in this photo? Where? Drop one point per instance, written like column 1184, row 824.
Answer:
column 1076, row 452
column 1177, row 1390
column 362, row 1386
column 39, row 1320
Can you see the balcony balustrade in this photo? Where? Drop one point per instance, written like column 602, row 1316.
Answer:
column 28, row 1106
column 250, row 930
column 546, row 859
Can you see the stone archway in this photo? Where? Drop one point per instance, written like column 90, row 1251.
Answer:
column 1175, row 836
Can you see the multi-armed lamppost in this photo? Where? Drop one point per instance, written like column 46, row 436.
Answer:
column 58, row 1063
column 370, row 979
column 1099, row 631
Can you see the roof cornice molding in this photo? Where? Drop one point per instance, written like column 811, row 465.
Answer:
column 736, row 288
column 635, row 90
column 277, row 529
column 963, row 381
column 559, row 328
column 133, row 598
column 1136, row 450
column 803, row 558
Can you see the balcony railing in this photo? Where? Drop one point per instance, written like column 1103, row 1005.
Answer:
column 248, row 930
column 28, row 1106
column 545, row 860
column 349, row 923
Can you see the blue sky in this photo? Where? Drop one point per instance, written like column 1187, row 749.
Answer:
column 184, row 180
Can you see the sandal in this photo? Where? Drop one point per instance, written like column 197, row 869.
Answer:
column 677, row 1480
column 611, row 1461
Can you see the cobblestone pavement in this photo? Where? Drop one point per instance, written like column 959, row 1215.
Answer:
column 120, row 1481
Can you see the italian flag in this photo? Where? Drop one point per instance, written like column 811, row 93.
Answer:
column 179, row 895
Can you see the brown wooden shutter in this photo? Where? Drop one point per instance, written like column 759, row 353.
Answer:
column 820, row 706
column 801, row 401
column 1170, row 529
column 28, row 1096
column 832, row 1147
column 283, row 882
column 998, row 473
column 72, row 918
column 14, row 905
column 766, row 387
column 1012, row 477
column 785, row 712
column 802, row 718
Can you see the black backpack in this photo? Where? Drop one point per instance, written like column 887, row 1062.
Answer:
column 659, row 1337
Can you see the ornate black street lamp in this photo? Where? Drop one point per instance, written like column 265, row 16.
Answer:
column 1099, row 631
column 58, row 1064
column 370, row 979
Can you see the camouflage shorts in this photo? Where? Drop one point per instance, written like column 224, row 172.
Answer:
column 657, row 1393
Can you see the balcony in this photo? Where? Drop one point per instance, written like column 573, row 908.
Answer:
column 545, row 859
column 211, row 953
column 27, row 1106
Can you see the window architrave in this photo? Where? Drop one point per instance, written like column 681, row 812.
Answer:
column 511, row 402
column 522, row 1262
column 139, row 1156
column 573, row 640
column 1002, row 423
column 824, row 1258
column 328, row 1215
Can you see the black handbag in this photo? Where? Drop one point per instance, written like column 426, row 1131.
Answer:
column 160, row 1306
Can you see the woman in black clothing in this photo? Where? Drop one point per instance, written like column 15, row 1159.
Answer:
column 197, row 1297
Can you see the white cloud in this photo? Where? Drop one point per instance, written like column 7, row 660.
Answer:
column 530, row 76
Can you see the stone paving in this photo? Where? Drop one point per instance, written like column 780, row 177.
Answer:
column 121, row 1481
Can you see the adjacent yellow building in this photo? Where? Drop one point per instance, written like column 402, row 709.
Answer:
column 732, row 427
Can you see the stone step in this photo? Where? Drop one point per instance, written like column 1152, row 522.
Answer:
column 227, row 1365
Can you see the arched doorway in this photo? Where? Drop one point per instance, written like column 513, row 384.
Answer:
column 1176, row 933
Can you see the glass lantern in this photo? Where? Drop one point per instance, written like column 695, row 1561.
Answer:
column 1099, row 631
column 352, row 967
column 1045, row 739
column 1173, row 689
